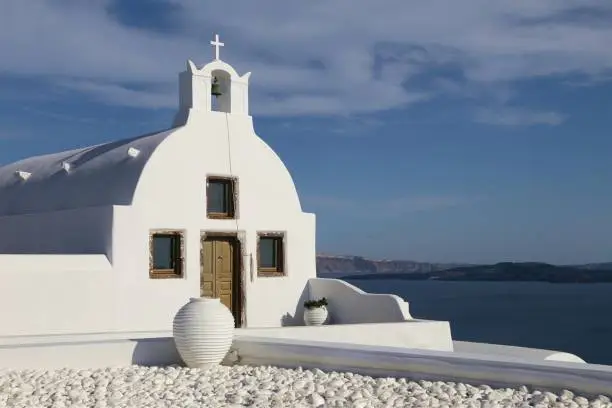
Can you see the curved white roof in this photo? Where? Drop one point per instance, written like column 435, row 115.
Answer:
column 98, row 175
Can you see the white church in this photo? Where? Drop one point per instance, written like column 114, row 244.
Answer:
column 101, row 246
column 119, row 235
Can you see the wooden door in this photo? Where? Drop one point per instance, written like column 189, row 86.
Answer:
column 219, row 272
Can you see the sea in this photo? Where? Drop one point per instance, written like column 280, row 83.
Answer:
column 574, row 318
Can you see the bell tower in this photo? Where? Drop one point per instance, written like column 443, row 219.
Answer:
column 214, row 88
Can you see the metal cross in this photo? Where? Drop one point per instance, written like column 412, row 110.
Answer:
column 217, row 44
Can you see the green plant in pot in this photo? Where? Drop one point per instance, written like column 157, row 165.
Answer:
column 315, row 312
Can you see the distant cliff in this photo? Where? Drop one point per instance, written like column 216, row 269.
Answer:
column 356, row 265
column 606, row 266
column 507, row 272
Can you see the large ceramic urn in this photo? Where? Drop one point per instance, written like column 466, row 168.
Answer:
column 203, row 332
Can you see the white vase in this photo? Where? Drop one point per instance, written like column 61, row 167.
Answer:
column 203, row 332
column 315, row 316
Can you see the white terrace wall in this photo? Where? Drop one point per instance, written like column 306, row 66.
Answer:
column 350, row 305
column 414, row 334
column 75, row 294
column 432, row 365
column 48, row 294
column 56, row 273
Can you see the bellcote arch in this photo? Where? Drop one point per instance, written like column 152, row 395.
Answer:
column 196, row 86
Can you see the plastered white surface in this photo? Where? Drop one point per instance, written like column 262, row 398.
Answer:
column 91, row 350
column 524, row 353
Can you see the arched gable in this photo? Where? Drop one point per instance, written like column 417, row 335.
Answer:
column 218, row 65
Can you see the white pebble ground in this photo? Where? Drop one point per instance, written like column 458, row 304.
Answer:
column 267, row 387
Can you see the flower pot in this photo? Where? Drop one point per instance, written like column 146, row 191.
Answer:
column 203, row 332
column 315, row 316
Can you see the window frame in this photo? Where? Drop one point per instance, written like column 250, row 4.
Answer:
column 232, row 198
column 281, row 268
column 178, row 272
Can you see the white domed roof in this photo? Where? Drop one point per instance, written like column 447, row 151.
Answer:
column 105, row 174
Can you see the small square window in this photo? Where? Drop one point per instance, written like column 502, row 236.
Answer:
column 166, row 257
column 220, row 197
column 271, row 256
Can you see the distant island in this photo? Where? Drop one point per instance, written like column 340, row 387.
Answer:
column 355, row 267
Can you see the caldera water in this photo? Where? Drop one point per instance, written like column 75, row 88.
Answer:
column 575, row 318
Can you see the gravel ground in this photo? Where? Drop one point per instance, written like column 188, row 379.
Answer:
column 268, row 387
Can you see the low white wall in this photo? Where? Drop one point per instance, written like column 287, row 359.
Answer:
column 430, row 365
column 524, row 353
column 96, row 350
column 416, row 334
column 348, row 304
column 92, row 350
column 44, row 294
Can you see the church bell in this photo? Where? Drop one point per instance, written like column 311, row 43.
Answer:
column 216, row 88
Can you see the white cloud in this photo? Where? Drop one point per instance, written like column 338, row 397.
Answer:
column 517, row 117
column 309, row 57
column 120, row 95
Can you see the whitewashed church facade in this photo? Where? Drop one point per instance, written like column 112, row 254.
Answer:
column 116, row 237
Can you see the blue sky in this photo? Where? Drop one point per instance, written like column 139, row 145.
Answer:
column 471, row 131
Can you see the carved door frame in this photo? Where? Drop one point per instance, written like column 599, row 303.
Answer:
column 239, row 275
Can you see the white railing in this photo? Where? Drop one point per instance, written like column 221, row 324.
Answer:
column 350, row 305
